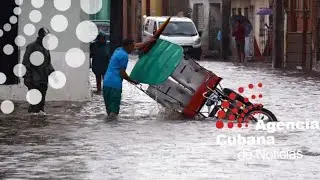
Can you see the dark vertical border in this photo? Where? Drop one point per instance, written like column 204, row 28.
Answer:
column 116, row 24
column 7, row 62
column 148, row 7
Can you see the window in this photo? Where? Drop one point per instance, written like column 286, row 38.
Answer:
column 179, row 28
column 246, row 12
column 308, row 4
column 154, row 28
column 147, row 25
column 198, row 16
column 239, row 11
column 270, row 21
column 298, row 4
column 262, row 25
column 150, row 27
column 234, row 11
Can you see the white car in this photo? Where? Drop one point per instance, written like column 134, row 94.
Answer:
column 180, row 30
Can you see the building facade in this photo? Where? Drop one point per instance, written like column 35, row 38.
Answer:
column 258, row 44
column 295, row 27
column 131, row 19
column 164, row 7
column 207, row 17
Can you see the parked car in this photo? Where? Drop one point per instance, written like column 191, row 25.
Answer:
column 180, row 30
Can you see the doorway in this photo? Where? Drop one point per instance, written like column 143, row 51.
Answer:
column 9, row 32
column 214, row 26
column 198, row 16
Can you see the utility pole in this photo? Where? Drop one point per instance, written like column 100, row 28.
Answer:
column 139, row 19
column 306, row 62
column 278, row 34
column 317, row 4
column 116, row 24
column 226, row 16
column 148, row 7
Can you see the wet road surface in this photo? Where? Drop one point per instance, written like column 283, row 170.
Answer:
column 75, row 142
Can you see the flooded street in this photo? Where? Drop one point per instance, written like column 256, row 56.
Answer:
column 75, row 142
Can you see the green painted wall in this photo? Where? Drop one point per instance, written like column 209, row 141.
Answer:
column 104, row 13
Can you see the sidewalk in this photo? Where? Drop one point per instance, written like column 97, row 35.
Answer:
column 217, row 58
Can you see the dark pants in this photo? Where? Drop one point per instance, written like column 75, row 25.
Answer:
column 241, row 50
column 99, row 78
column 42, row 87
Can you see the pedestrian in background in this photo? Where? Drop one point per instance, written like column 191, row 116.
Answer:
column 239, row 34
column 219, row 36
column 99, row 52
column 37, row 74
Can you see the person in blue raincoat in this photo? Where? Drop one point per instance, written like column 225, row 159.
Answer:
column 219, row 36
column 100, row 58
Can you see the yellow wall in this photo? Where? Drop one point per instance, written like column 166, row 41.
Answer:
column 143, row 8
column 155, row 7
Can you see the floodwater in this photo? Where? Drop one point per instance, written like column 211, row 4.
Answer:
column 75, row 142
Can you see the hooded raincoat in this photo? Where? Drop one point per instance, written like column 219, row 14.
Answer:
column 99, row 52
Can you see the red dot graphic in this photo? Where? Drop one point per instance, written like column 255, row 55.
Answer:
column 232, row 96
column 240, row 120
column 235, row 110
column 260, row 85
column 246, row 100
column 230, row 125
column 250, row 86
column 232, row 117
column 239, row 104
column 221, row 114
column 247, row 125
column 219, row 124
column 253, row 97
column 241, row 90
column 225, row 104
column 245, row 111
column 239, row 125
column 260, row 96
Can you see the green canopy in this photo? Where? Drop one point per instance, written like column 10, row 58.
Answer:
column 158, row 64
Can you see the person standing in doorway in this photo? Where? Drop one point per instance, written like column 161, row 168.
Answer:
column 37, row 60
column 116, row 72
column 100, row 58
column 239, row 34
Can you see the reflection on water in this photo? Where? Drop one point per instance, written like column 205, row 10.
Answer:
column 147, row 142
